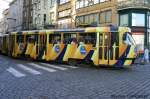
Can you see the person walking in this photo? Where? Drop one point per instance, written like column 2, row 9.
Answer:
column 146, row 55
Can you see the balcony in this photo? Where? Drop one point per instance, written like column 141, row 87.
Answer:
column 126, row 4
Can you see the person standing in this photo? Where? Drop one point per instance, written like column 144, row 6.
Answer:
column 146, row 55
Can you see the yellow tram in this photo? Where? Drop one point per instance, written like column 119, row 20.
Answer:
column 101, row 46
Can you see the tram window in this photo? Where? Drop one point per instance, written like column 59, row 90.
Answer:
column 101, row 39
column 106, row 39
column 27, row 37
column 128, row 39
column 124, row 36
column 36, row 37
column 54, row 38
column 115, row 38
column 19, row 38
column 87, row 38
column 70, row 38
column 31, row 40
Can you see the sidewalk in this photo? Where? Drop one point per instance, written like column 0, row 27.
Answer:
column 140, row 61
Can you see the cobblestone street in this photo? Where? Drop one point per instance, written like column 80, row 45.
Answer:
column 20, row 79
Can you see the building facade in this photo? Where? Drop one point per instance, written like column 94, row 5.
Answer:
column 39, row 13
column 4, row 21
column 2, row 25
column 12, row 16
column 52, row 13
column 44, row 13
column 27, row 15
column 96, row 12
column 66, row 14
column 136, row 15
column 15, row 18
column 1, row 29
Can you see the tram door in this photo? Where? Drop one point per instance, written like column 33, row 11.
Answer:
column 104, row 44
column 108, row 48
column 41, row 45
column 114, row 48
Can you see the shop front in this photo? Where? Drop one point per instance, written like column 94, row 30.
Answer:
column 139, row 22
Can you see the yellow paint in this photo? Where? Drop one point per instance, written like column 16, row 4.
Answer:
column 29, row 48
column 112, row 62
column 70, row 51
column 90, row 29
column 103, row 29
column 95, row 56
column 16, row 50
column 33, row 54
column 48, row 52
column 53, row 54
column 122, row 49
column 78, row 54
column 127, row 62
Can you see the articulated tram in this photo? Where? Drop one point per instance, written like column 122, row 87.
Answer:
column 100, row 46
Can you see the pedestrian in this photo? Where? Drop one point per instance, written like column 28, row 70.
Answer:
column 146, row 55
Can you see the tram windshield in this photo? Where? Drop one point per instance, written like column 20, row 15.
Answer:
column 129, row 39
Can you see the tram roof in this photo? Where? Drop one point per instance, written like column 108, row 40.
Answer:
column 76, row 30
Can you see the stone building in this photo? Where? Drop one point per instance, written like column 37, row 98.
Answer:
column 27, row 15
column 44, row 13
column 136, row 15
column 96, row 12
column 66, row 14
column 16, row 13
column 4, row 21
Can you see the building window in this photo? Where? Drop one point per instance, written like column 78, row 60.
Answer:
column 102, row 17
column 36, row 21
column 124, row 20
column 39, row 4
column 77, row 5
column 85, row 3
column 81, row 4
column 103, row 0
column 45, row 4
column 39, row 18
column 52, row 2
column 63, row 1
column 44, row 18
column 66, row 23
column 31, row 13
column 35, row 6
column 96, row 1
column 87, row 19
column 51, row 17
column 25, row 14
column 138, row 19
column 64, row 13
column 106, row 17
column 90, row 2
